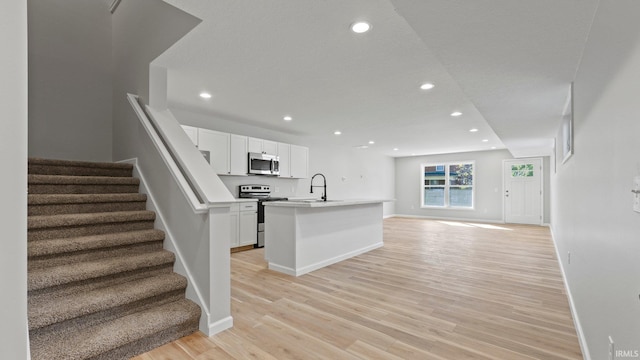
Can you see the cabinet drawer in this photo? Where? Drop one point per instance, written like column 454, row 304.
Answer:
column 249, row 206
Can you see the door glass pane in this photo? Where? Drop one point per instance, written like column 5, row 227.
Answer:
column 522, row 170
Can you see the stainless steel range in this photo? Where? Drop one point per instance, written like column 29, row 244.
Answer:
column 263, row 194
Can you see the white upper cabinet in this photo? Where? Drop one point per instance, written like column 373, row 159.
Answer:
column 238, row 160
column 299, row 161
column 269, row 147
column 192, row 133
column 263, row 146
column 255, row 145
column 218, row 144
column 285, row 159
column 228, row 152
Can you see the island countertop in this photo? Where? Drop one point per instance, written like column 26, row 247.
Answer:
column 313, row 203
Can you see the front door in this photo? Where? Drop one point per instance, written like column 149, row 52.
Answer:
column 523, row 191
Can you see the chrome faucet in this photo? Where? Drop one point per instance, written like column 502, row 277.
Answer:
column 324, row 185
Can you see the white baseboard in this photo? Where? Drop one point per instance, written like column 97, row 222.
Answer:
column 576, row 319
column 448, row 218
column 219, row 326
column 321, row 264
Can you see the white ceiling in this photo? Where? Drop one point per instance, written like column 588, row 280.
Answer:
column 506, row 65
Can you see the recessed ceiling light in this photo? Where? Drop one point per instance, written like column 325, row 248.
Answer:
column 205, row 95
column 485, row 140
column 493, row 147
column 456, row 113
column 287, row 118
column 427, row 86
column 337, row 132
column 395, row 149
column 371, row 142
column 360, row 27
column 473, row 130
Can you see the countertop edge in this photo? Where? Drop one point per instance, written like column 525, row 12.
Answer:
column 319, row 204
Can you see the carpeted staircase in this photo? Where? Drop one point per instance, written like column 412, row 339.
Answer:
column 100, row 284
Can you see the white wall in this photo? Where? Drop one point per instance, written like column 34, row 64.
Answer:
column 592, row 213
column 14, row 340
column 366, row 174
column 142, row 30
column 70, row 79
column 488, row 186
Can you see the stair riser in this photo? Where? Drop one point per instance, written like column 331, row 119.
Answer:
column 57, row 209
column 92, row 284
column 70, row 258
column 82, row 189
column 75, row 231
column 42, row 169
column 56, row 247
column 92, row 319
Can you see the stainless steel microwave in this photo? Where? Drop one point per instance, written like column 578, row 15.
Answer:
column 263, row 164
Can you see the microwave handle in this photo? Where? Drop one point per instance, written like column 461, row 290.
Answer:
column 273, row 166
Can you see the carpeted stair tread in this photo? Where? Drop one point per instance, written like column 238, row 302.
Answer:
column 77, row 163
column 92, row 342
column 48, row 199
column 79, row 168
column 49, row 311
column 49, row 247
column 81, row 180
column 42, row 278
column 67, row 220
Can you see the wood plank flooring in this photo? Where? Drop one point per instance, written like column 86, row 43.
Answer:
column 436, row 290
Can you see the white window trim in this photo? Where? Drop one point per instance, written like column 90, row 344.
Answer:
column 447, row 205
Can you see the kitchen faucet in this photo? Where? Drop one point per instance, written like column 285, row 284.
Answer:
column 324, row 185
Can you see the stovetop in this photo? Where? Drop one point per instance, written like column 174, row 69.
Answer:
column 260, row 192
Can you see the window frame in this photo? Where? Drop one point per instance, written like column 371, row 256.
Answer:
column 447, row 185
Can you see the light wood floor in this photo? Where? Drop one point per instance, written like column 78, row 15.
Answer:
column 436, row 290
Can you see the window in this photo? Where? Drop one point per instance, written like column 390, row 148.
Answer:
column 448, row 185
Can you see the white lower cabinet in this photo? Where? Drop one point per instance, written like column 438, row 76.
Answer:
column 244, row 224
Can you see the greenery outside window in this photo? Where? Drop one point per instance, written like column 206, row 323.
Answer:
column 448, row 185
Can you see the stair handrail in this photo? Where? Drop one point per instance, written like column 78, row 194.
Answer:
column 197, row 180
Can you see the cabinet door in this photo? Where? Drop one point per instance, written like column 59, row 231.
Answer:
column 255, row 145
column 234, row 238
column 248, row 228
column 270, row 147
column 238, row 155
column 217, row 143
column 192, row 133
column 299, row 161
column 285, row 159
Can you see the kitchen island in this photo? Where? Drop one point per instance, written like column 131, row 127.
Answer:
column 305, row 235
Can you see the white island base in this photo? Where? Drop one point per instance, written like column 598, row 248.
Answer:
column 301, row 237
